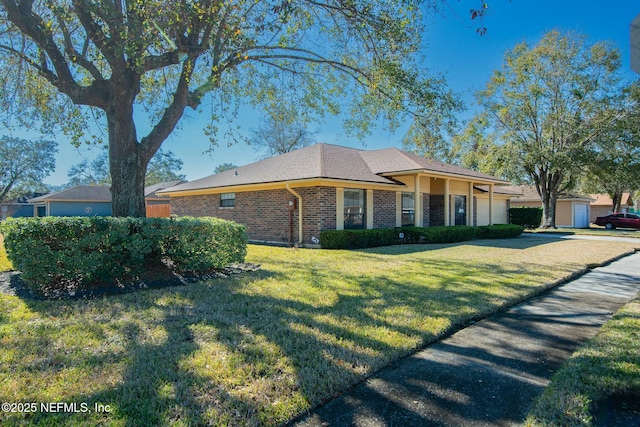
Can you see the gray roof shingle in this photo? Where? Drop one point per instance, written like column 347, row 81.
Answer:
column 331, row 162
column 95, row 193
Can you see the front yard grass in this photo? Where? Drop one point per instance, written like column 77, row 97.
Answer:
column 608, row 365
column 262, row 347
column 594, row 230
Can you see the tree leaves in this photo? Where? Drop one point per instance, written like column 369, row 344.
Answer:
column 24, row 163
column 547, row 104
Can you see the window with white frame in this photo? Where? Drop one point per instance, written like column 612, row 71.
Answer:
column 227, row 200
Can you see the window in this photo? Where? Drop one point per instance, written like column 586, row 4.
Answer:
column 460, row 210
column 354, row 208
column 227, row 200
column 408, row 209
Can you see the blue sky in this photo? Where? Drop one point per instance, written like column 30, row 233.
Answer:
column 452, row 47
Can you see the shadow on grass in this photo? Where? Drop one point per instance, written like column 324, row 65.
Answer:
column 518, row 243
column 240, row 351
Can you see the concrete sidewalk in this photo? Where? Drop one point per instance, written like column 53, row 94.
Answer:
column 489, row 373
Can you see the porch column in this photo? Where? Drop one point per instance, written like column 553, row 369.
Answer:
column 369, row 201
column 490, row 204
column 447, row 219
column 417, row 203
column 470, row 205
column 339, row 208
column 398, row 209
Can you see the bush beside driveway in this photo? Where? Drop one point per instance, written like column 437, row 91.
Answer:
column 259, row 348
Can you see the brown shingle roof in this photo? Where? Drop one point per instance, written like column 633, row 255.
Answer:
column 331, row 162
column 506, row 190
column 605, row 199
column 392, row 160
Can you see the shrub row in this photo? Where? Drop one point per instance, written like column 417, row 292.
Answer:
column 529, row 218
column 52, row 252
column 500, row 231
column 441, row 234
column 356, row 239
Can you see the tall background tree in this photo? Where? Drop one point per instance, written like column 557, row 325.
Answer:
column 546, row 105
column 430, row 133
column 612, row 162
column 163, row 167
column 24, row 164
column 67, row 63
column 281, row 131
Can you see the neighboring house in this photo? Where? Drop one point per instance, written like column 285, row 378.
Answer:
column 95, row 200
column 327, row 187
column 602, row 205
column 14, row 209
column 83, row 200
column 159, row 205
column 19, row 207
column 572, row 210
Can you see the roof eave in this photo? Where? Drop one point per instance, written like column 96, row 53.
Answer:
column 436, row 174
column 306, row 182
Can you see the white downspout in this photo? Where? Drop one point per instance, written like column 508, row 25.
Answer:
column 290, row 190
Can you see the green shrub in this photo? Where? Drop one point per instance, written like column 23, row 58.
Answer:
column 500, row 231
column 440, row 234
column 357, row 239
column 529, row 218
column 334, row 239
column 200, row 244
column 53, row 252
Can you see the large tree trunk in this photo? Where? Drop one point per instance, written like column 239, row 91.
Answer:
column 616, row 197
column 548, row 210
column 128, row 165
column 547, row 185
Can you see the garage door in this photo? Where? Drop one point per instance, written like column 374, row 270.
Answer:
column 581, row 216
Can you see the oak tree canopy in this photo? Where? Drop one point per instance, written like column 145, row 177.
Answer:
column 134, row 64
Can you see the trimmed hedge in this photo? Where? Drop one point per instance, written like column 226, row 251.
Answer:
column 55, row 252
column 439, row 234
column 529, row 218
column 500, row 231
column 357, row 239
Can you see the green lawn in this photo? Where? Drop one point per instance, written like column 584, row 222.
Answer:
column 5, row 264
column 259, row 348
column 608, row 365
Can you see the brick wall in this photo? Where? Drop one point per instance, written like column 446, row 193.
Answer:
column 384, row 209
column 426, row 210
column 319, row 211
column 266, row 214
column 436, row 210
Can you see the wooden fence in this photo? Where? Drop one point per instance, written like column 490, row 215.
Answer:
column 159, row 211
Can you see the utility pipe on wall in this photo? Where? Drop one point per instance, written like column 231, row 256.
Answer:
column 290, row 190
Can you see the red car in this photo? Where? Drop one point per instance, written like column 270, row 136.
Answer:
column 622, row 220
